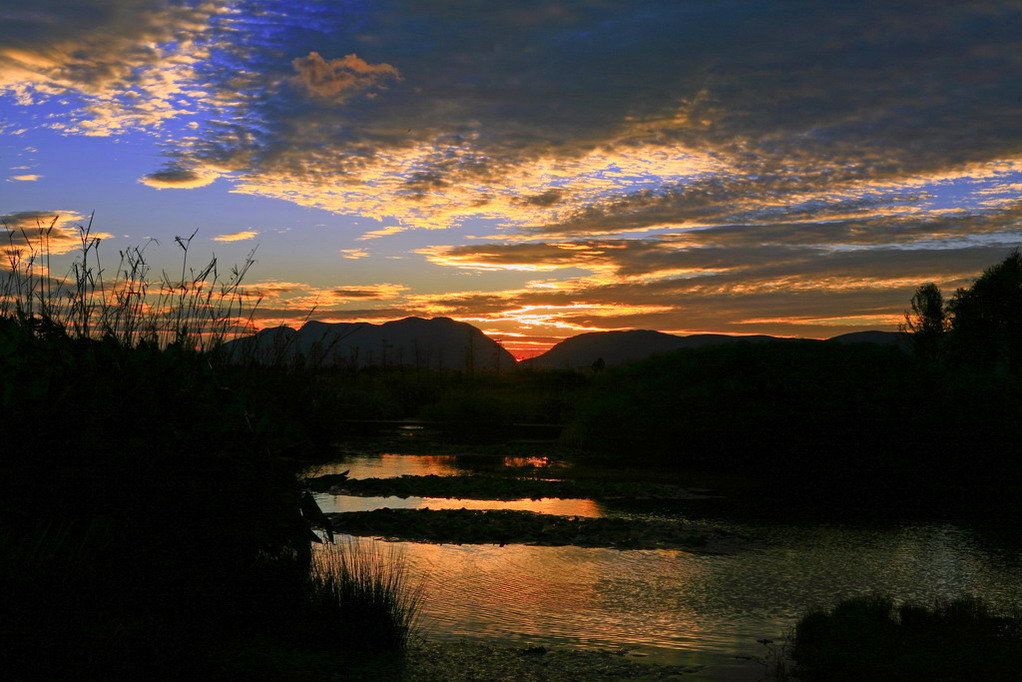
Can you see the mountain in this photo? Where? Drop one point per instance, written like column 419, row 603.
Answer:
column 444, row 343
column 877, row 337
column 616, row 348
column 437, row 343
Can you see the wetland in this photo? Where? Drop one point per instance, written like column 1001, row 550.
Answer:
column 705, row 608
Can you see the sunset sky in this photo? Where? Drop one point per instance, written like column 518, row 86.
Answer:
column 538, row 169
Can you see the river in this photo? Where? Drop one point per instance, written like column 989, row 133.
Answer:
column 673, row 606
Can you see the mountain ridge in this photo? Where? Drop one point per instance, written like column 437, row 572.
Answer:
column 444, row 343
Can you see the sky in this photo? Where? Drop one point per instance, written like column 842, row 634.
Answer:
column 539, row 169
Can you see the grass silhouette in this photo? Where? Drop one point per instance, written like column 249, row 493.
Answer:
column 150, row 488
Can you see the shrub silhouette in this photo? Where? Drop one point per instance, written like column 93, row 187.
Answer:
column 872, row 638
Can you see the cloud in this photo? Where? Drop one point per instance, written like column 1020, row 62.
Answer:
column 354, row 254
column 55, row 232
column 685, row 164
column 120, row 64
column 236, row 236
column 602, row 118
column 593, row 118
column 282, row 298
column 25, row 178
column 338, row 78
column 178, row 178
column 374, row 291
column 382, row 232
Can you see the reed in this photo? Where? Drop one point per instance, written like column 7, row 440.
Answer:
column 149, row 491
column 364, row 596
column 198, row 310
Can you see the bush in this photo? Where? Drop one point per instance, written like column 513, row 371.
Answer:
column 872, row 638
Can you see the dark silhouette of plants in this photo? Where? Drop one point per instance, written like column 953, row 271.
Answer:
column 986, row 319
column 979, row 327
column 927, row 322
column 872, row 638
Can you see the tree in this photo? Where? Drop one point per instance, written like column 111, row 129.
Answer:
column 986, row 319
column 927, row 322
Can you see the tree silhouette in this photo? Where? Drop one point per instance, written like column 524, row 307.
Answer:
column 986, row 319
column 927, row 322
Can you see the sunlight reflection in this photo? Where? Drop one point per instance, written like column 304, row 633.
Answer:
column 546, row 505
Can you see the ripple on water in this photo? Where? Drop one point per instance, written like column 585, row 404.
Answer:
column 679, row 607
column 664, row 601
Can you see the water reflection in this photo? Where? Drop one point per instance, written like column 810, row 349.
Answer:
column 676, row 606
column 393, row 465
column 680, row 608
column 546, row 505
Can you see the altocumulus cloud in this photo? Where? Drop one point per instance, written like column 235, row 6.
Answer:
column 550, row 119
column 338, row 78
column 129, row 64
column 571, row 117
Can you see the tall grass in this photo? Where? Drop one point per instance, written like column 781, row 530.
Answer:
column 363, row 596
column 198, row 309
column 149, row 490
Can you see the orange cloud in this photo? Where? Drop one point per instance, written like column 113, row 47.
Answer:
column 236, row 236
column 382, row 232
column 338, row 78
column 55, row 232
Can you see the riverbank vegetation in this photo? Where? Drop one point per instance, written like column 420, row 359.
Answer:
column 872, row 638
column 150, row 492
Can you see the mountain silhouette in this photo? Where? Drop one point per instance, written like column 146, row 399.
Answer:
column 880, row 338
column 443, row 343
column 438, row 343
column 620, row 347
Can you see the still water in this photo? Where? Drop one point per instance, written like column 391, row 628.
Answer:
column 674, row 606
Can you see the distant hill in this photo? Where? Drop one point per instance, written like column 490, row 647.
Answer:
column 442, row 343
column 438, row 343
column 879, row 338
column 620, row 347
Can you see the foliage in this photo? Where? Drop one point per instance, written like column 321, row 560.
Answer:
column 927, row 323
column 872, row 638
column 979, row 328
column 986, row 319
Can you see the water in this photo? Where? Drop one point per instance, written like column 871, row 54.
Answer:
column 678, row 607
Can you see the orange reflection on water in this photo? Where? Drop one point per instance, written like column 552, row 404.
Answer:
column 546, row 505
column 392, row 466
column 534, row 462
